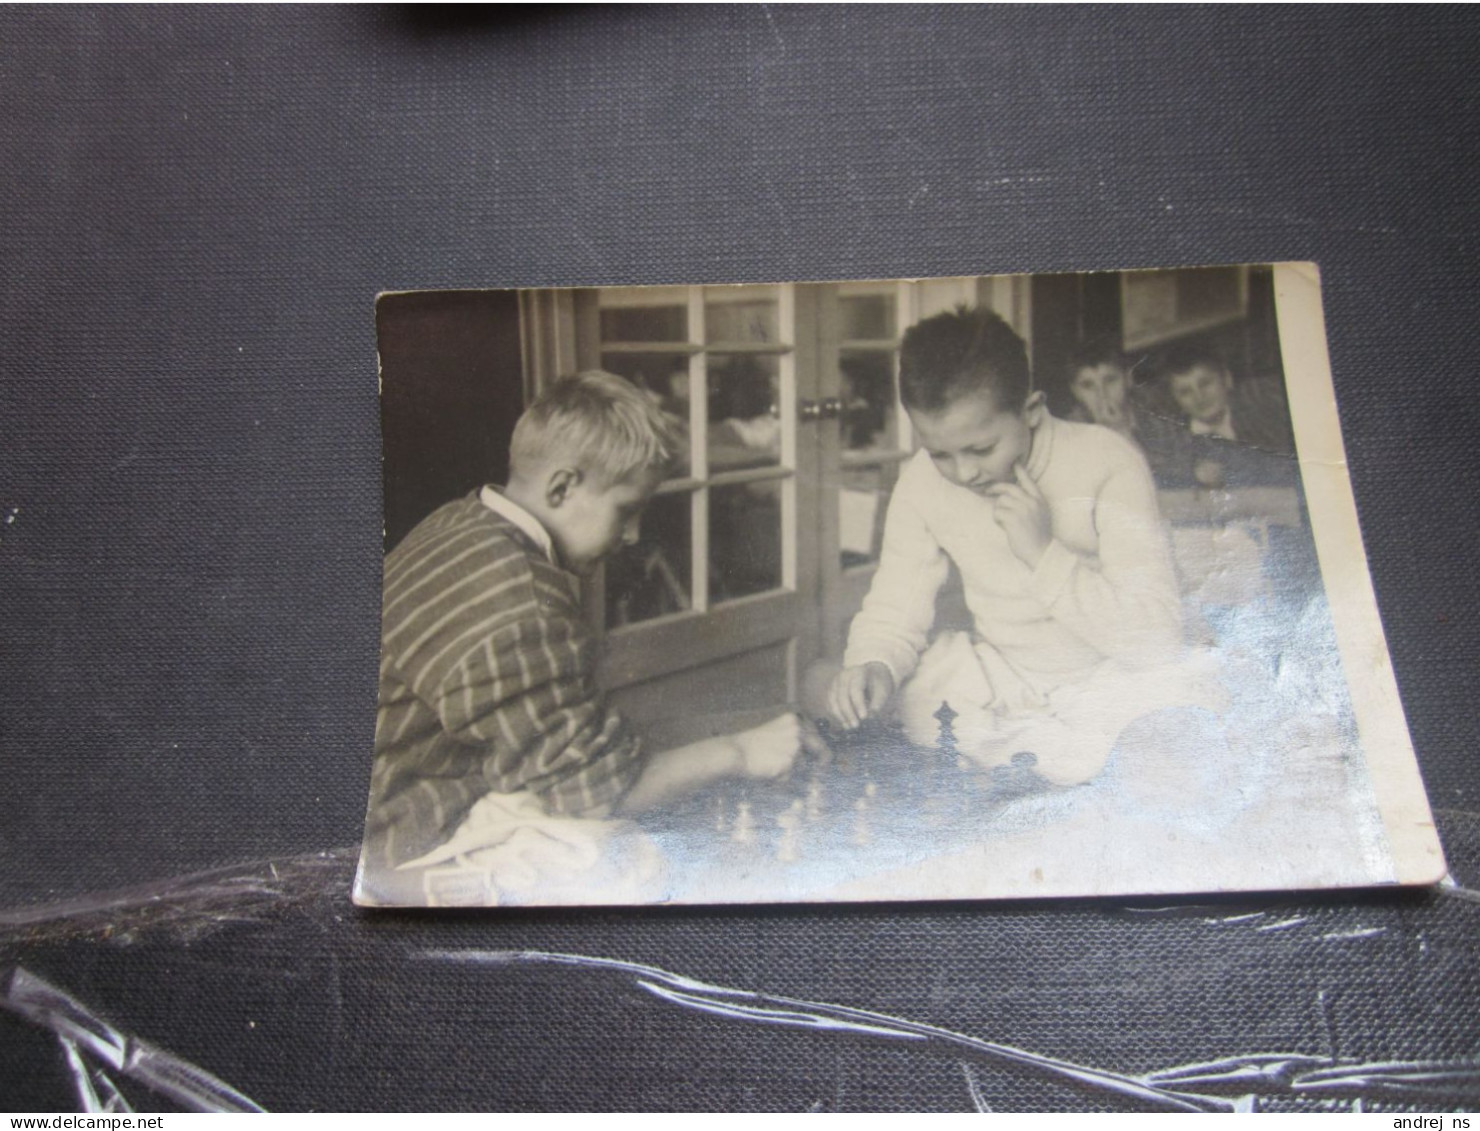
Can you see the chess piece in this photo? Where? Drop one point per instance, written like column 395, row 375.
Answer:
column 862, row 833
column 814, row 798
column 941, row 789
column 945, row 740
column 789, row 822
column 744, row 832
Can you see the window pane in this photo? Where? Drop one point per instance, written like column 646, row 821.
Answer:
column 665, row 378
column 645, row 324
column 654, row 577
column 863, row 500
column 745, row 539
column 867, row 317
column 749, row 315
column 744, row 413
column 867, row 382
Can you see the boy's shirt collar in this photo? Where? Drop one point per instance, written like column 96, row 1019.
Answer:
column 501, row 505
column 1040, row 449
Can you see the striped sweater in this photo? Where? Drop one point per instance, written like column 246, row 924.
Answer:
column 486, row 685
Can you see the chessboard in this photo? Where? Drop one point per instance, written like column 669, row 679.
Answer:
column 877, row 802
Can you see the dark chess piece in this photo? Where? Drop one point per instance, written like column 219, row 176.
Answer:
column 1019, row 779
column 940, row 793
column 945, row 739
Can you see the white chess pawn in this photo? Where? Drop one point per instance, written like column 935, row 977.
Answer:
column 789, row 822
column 861, row 832
column 814, row 799
column 786, row 846
column 744, row 825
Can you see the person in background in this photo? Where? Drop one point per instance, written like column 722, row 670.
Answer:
column 1104, row 392
column 1233, row 433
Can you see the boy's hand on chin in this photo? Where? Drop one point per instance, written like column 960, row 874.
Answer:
column 771, row 749
column 1022, row 512
column 860, row 693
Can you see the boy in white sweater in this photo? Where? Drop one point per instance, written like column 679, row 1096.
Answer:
column 1054, row 528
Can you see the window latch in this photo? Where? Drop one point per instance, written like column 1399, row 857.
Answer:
column 828, row 408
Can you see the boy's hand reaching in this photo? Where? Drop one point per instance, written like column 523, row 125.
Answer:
column 771, row 749
column 860, row 693
column 1023, row 514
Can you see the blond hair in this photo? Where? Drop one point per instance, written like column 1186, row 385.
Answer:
column 600, row 423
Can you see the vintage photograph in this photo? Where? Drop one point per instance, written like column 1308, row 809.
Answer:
column 966, row 588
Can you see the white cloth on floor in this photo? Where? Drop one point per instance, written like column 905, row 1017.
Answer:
column 1071, row 730
column 510, row 851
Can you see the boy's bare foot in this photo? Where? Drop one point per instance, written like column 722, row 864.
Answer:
column 771, row 750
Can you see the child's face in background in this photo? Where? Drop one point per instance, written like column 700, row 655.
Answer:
column 597, row 517
column 1202, row 392
column 1101, row 391
column 973, row 442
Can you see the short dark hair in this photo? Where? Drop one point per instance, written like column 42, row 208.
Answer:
column 959, row 352
column 1096, row 352
column 1186, row 356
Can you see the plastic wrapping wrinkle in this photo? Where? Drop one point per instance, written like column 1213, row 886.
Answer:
column 45, row 1005
column 1283, row 924
column 1450, row 887
column 1241, row 1072
column 184, row 906
column 1400, row 1080
column 974, row 1089
column 191, row 914
column 96, row 1092
column 107, row 1091
column 1233, row 1084
column 87, row 1096
column 765, row 1008
column 80, row 1029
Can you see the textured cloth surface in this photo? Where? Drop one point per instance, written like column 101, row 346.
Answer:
column 199, row 206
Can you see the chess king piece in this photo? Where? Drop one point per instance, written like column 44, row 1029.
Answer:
column 937, row 782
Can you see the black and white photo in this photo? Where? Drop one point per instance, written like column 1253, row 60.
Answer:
column 957, row 588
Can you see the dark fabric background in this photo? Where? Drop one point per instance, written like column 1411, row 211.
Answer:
column 199, row 205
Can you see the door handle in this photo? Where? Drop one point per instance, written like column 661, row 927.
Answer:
column 828, row 408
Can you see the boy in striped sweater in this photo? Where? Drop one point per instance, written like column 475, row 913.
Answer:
column 486, row 672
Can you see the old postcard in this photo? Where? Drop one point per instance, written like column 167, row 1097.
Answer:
column 965, row 588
